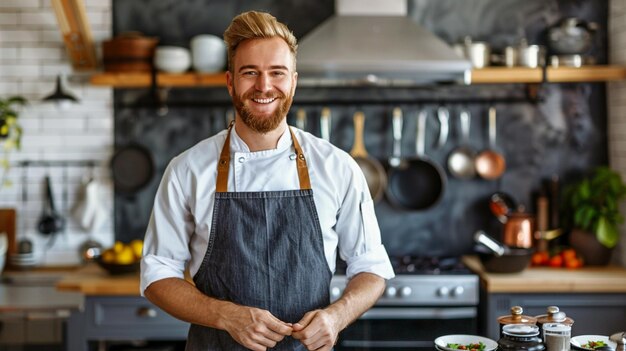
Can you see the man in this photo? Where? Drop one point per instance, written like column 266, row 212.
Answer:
column 258, row 213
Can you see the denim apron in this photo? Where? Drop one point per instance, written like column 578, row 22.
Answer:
column 265, row 250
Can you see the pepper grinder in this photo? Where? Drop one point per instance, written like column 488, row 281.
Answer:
column 619, row 339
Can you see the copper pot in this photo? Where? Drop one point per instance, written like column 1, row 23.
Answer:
column 519, row 229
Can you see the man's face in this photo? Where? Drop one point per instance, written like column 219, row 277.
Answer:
column 262, row 83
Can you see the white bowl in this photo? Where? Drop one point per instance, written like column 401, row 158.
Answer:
column 578, row 341
column 464, row 339
column 208, row 53
column 172, row 59
column 171, row 51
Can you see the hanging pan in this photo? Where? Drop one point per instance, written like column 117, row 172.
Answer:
column 416, row 183
column 372, row 169
column 132, row 169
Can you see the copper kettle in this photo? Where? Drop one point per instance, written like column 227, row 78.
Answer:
column 519, row 229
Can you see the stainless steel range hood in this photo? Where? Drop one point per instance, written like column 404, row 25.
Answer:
column 390, row 50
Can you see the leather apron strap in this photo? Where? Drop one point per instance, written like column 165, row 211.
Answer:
column 223, row 164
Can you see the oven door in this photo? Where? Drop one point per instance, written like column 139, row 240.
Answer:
column 407, row 328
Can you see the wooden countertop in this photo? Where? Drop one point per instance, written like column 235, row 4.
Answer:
column 592, row 279
column 93, row 280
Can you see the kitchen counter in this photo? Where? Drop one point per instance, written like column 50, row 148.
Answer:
column 592, row 279
column 32, row 291
column 93, row 280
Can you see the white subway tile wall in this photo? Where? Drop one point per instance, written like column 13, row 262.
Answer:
column 616, row 93
column 32, row 54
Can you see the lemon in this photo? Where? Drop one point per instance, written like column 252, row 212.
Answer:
column 125, row 256
column 137, row 246
column 118, row 247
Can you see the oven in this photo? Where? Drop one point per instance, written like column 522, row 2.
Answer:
column 418, row 306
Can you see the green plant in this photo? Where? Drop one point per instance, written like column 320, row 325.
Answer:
column 10, row 132
column 594, row 204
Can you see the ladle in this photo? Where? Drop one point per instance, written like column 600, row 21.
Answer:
column 50, row 221
column 461, row 159
column 489, row 163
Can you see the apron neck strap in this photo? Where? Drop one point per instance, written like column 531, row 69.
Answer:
column 224, row 163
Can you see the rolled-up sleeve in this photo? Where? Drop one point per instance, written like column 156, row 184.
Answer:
column 168, row 233
column 360, row 243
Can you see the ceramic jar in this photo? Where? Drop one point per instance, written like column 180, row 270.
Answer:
column 520, row 337
column 516, row 317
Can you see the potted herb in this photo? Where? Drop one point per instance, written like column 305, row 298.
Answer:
column 594, row 208
column 10, row 132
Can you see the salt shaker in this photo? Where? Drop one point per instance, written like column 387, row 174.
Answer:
column 553, row 315
column 619, row 339
column 557, row 336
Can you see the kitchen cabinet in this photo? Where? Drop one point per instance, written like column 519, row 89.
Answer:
column 121, row 318
column 114, row 311
column 593, row 296
column 33, row 314
column 491, row 75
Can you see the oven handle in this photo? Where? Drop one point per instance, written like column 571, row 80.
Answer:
column 420, row 313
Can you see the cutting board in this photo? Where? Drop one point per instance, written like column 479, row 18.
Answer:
column 7, row 225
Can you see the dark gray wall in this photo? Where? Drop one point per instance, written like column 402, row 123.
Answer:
column 565, row 135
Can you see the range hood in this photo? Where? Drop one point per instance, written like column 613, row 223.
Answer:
column 357, row 48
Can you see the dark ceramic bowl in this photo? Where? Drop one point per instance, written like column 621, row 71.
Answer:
column 514, row 261
column 118, row 269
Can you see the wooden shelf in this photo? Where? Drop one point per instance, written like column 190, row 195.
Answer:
column 554, row 75
column 492, row 75
column 138, row 80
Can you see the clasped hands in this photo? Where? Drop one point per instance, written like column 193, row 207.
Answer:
column 257, row 329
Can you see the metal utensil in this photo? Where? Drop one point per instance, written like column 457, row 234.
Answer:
column 396, row 157
column 301, row 119
column 50, row 221
column 490, row 164
column 461, row 159
column 482, row 238
column 443, row 115
column 325, row 124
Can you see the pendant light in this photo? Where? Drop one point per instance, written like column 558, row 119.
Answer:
column 61, row 97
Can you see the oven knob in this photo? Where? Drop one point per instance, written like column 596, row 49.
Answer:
column 457, row 291
column 335, row 292
column 391, row 291
column 406, row 291
column 443, row 291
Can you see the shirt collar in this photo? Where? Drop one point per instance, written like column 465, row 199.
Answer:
column 238, row 145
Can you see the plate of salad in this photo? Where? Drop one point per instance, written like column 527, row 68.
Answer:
column 591, row 342
column 465, row 342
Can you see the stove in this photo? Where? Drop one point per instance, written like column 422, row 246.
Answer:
column 428, row 297
column 422, row 281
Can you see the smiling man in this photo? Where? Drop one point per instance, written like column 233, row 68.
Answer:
column 258, row 213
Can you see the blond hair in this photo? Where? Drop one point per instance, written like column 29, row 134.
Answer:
column 256, row 25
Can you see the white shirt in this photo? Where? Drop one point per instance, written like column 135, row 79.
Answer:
column 180, row 224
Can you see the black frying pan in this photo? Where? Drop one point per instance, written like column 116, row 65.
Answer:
column 133, row 168
column 416, row 183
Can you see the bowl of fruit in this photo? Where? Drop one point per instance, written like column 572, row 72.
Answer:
column 122, row 258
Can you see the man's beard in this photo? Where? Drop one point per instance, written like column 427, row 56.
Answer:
column 262, row 124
